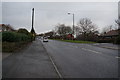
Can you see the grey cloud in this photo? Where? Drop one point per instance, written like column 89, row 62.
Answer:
column 48, row 14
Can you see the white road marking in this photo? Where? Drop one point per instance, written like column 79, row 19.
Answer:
column 117, row 57
column 76, row 46
column 54, row 65
column 96, row 44
column 71, row 45
column 88, row 45
column 91, row 50
column 110, row 47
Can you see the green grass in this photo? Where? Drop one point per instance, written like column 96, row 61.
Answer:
column 74, row 41
column 13, row 46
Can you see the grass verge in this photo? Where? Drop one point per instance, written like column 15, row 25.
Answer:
column 13, row 46
column 74, row 41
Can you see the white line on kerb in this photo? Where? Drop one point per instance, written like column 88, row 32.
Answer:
column 55, row 67
column 91, row 50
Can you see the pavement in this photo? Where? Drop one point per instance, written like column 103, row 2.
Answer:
column 32, row 62
column 5, row 55
column 0, row 64
column 57, row 59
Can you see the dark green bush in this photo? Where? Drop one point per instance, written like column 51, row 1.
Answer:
column 117, row 40
column 22, row 30
column 105, row 41
column 0, row 36
column 15, row 37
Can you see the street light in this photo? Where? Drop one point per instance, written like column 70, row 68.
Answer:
column 73, row 22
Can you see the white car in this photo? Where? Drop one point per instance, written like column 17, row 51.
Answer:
column 45, row 39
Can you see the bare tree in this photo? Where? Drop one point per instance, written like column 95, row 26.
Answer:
column 108, row 28
column 86, row 27
column 62, row 29
column 115, row 26
column 68, row 29
column 77, row 30
column 118, row 22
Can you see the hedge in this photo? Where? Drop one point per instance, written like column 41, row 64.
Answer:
column 0, row 36
column 15, row 37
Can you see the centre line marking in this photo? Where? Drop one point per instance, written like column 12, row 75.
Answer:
column 91, row 50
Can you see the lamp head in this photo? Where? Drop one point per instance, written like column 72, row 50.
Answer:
column 69, row 13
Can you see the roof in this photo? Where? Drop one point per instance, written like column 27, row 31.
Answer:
column 111, row 33
column 2, row 25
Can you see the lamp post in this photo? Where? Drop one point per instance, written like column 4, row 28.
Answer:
column 73, row 22
column 32, row 29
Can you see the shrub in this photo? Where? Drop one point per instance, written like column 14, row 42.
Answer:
column 15, row 37
column 0, row 36
column 117, row 40
column 24, row 31
column 105, row 41
column 8, row 36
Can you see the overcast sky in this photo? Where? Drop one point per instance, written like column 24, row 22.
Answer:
column 48, row 14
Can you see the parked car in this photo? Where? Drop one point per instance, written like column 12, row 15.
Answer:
column 45, row 39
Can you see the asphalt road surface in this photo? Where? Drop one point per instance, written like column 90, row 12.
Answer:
column 56, row 59
column 83, row 60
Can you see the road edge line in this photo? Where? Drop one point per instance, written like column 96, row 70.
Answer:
column 107, row 47
column 54, row 65
column 110, row 48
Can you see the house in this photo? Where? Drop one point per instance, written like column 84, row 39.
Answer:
column 4, row 27
column 109, row 36
column 70, row 36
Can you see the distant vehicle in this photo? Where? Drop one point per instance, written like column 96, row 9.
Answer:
column 45, row 39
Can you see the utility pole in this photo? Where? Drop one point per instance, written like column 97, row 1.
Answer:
column 32, row 17
column 32, row 30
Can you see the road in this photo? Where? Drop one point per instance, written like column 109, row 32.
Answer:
column 56, row 59
column 83, row 60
